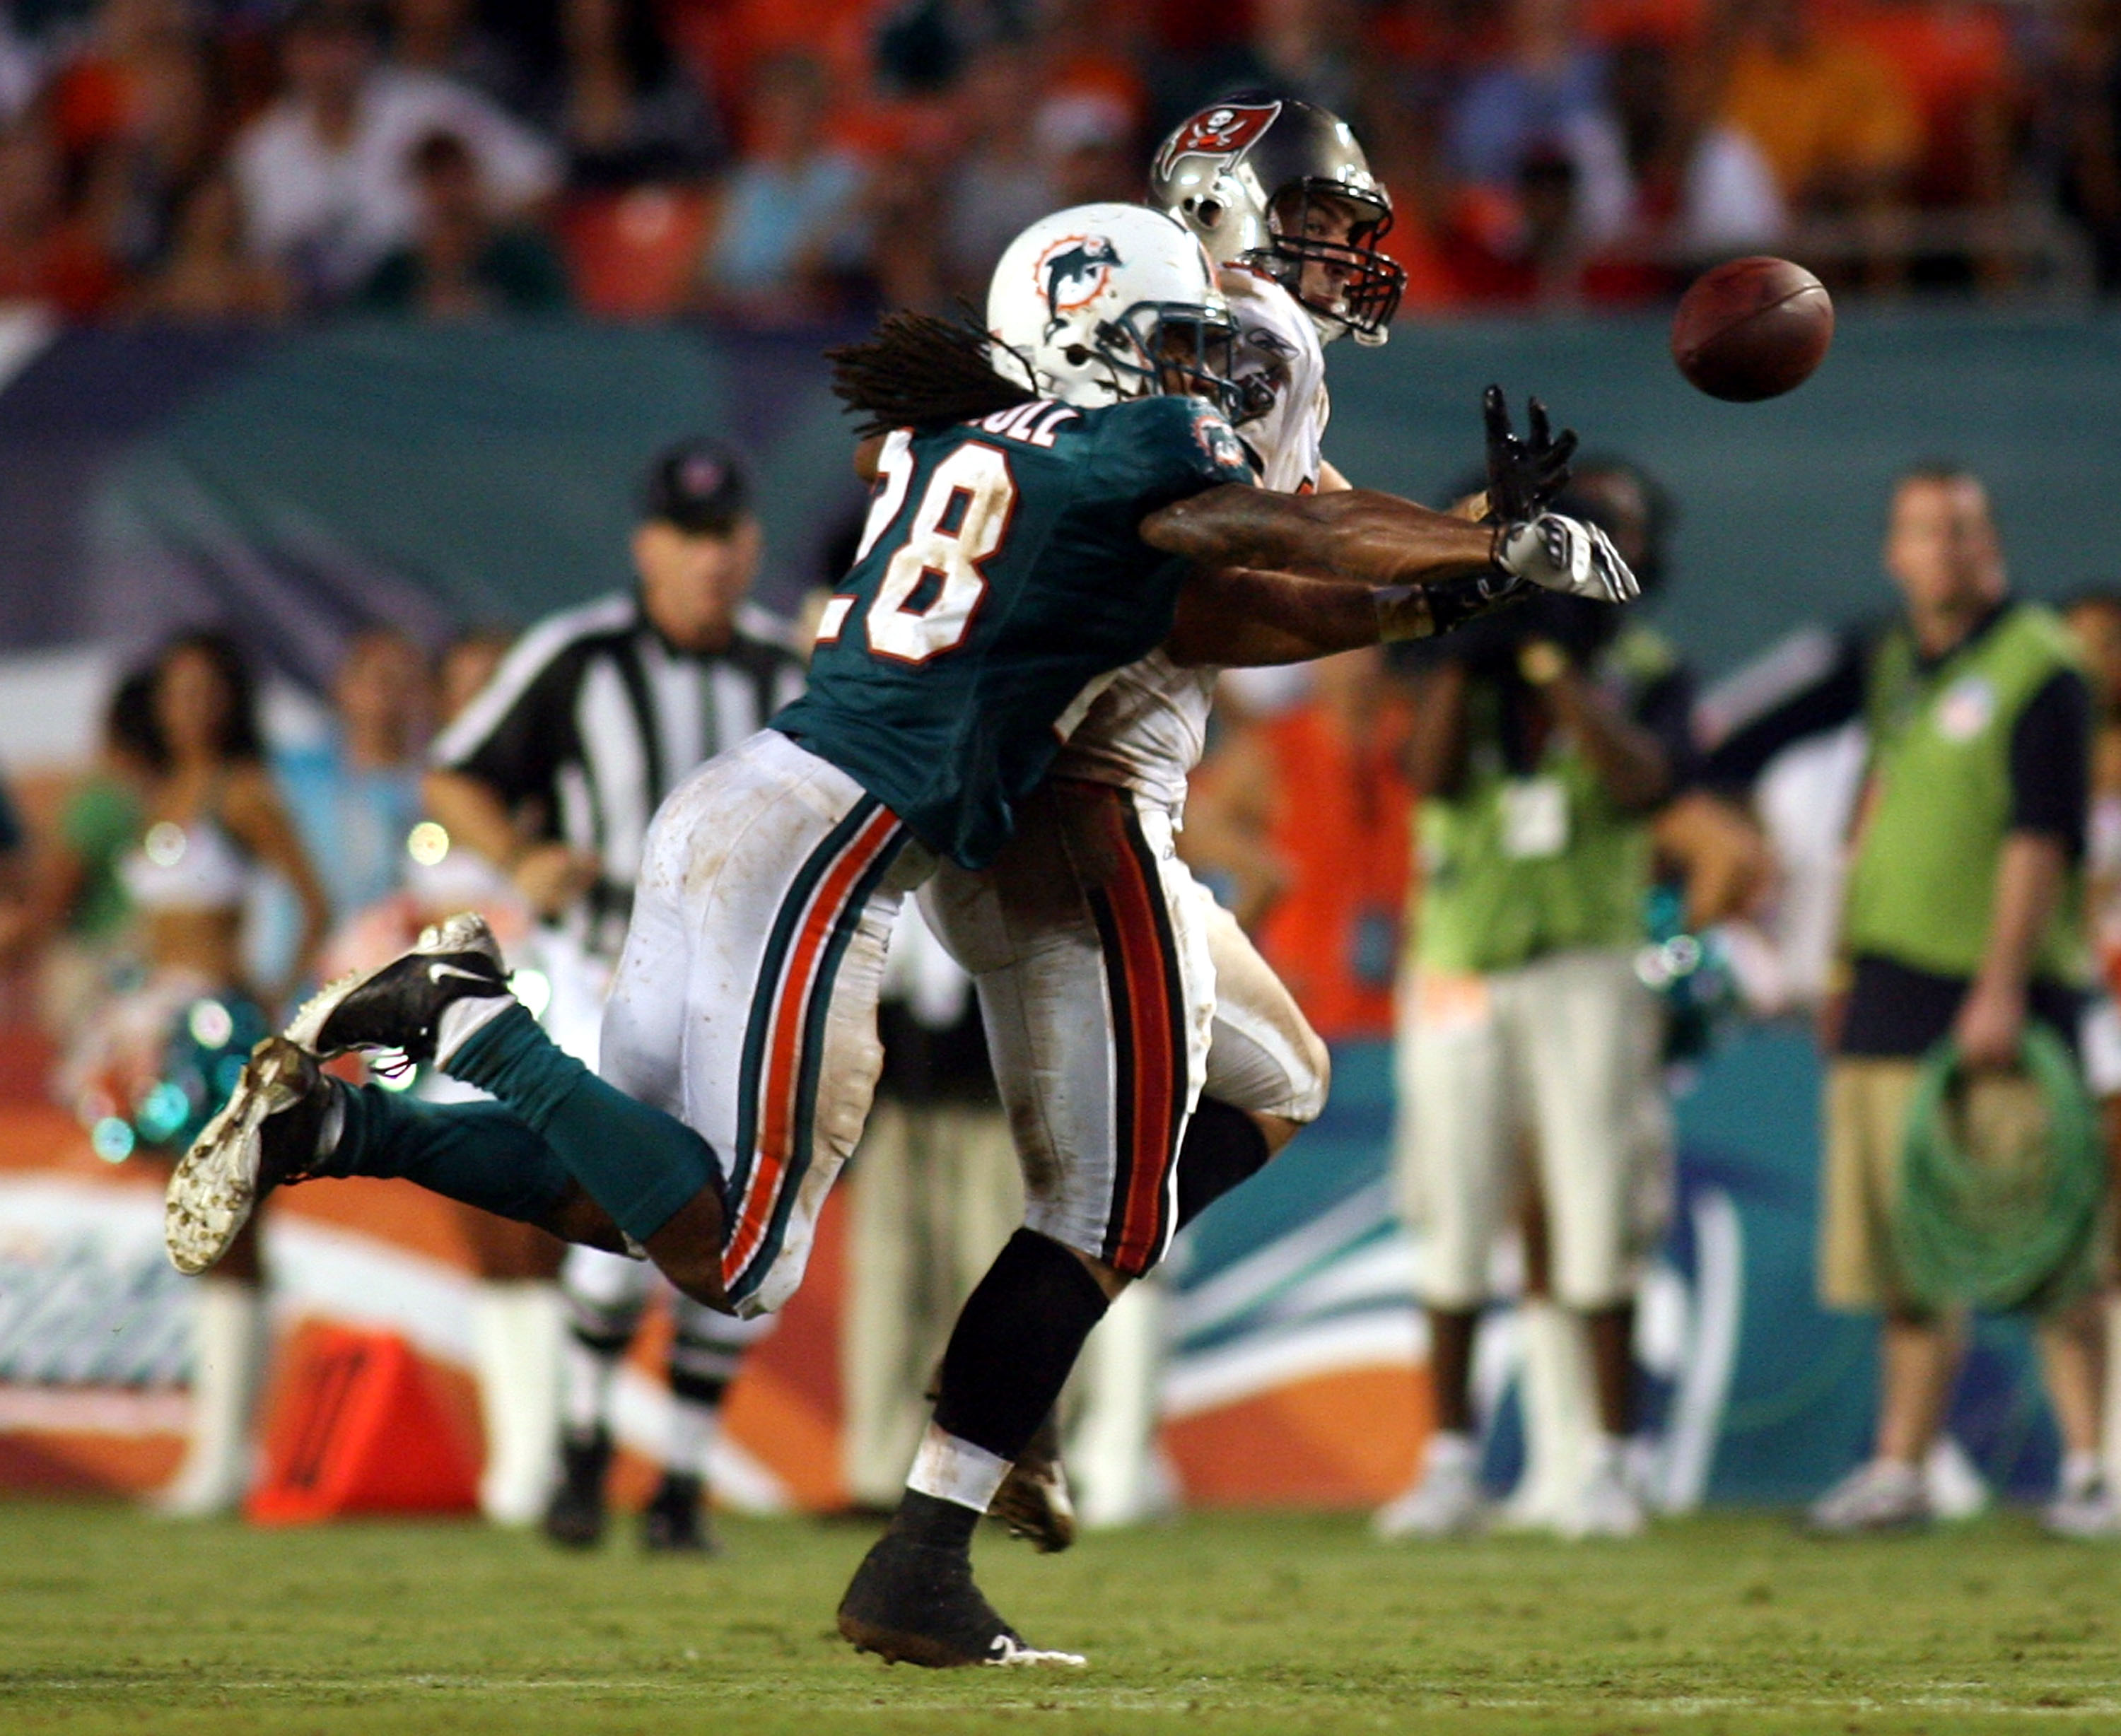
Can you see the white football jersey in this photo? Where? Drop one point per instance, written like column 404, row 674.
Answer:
column 1278, row 341
column 1147, row 730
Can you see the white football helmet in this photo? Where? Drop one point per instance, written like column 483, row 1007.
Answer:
column 1103, row 303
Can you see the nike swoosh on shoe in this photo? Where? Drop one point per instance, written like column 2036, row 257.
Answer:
column 1014, row 1654
column 439, row 972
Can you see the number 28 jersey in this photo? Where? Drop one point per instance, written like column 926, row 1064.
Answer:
column 1000, row 580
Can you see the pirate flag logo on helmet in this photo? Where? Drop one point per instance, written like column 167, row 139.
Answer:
column 1225, row 130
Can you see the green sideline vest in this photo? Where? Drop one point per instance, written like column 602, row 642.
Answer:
column 1938, row 804
column 1514, row 869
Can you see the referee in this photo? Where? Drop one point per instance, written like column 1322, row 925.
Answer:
column 553, row 772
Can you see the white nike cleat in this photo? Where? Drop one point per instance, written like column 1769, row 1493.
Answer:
column 397, row 1005
column 1604, row 1505
column 1880, row 1496
column 1448, row 1501
column 2083, row 1515
column 265, row 1135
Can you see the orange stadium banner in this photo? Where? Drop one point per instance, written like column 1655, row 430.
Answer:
column 372, row 1288
column 1292, row 1357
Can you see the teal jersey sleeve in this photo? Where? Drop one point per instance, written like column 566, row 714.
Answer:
column 1156, row 450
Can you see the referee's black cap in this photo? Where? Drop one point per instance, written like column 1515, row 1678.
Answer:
column 700, row 486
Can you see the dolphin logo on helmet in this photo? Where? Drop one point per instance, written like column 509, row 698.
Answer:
column 1074, row 271
column 1103, row 303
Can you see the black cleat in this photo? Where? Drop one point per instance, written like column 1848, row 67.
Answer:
column 575, row 1515
column 396, row 1006
column 1033, row 1499
column 914, row 1603
column 264, row 1136
column 675, row 1522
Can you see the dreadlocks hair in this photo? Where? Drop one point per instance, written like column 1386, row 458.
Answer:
column 922, row 369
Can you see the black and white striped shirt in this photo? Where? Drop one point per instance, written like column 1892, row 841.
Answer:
column 594, row 717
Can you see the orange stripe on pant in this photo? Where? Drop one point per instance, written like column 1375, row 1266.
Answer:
column 1146, row 1127
column 777, row 1117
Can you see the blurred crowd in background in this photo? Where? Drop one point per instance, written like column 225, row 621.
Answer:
column 781, row 161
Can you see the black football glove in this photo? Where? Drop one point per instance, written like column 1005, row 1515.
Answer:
column 1523, row 475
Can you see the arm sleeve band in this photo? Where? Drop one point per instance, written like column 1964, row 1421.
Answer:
column 1827, row 703
column 2051, row 761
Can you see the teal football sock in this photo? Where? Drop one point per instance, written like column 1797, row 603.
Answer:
column 639, row 1164
column 476, row 1152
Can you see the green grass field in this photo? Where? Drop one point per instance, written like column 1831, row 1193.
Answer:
column 111, row 1622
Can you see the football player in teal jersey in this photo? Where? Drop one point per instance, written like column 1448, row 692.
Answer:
column 1026, row 538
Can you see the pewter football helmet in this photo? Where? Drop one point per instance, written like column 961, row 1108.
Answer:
column 1248, row 175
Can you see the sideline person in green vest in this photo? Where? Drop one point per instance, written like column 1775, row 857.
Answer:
column 1540, row 750
column 1962, row 919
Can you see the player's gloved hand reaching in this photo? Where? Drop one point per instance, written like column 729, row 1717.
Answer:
column 1524, row 475
column 1564, row 554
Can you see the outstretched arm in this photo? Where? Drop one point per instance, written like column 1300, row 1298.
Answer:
column 1285, row 578
column 1355, row 533
column 1241, row 617
column 1238, row 618
column 1380, row 540
column 1358, row 534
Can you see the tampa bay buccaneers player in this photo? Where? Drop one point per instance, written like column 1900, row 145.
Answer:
column 1282, row 199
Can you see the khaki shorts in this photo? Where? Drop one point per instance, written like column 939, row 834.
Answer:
column 1866, row 1118
column 1557, row 1058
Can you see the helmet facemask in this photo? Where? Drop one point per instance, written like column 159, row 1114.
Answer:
column 1173, row 349
column 1323, row 250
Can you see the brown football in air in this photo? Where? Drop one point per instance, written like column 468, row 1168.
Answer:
column 1752, row 328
